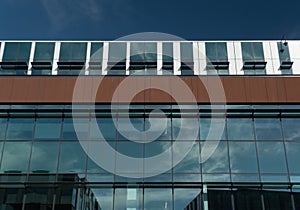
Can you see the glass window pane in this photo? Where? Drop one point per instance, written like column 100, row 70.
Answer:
column 3, row 124
column 20, row 129
column 16, row 157
column 293, row 156
column 24, row 51
column 211, row 51
column 271, row 157
column 187, row 197
column 218, row 161
column 128, row 199
column 291, row 129
column 44, row 152
column 117, row 52
column 65, row 52
column 47, row 129
column 191, row 162
column 155, row 199
column 240, row 129
column 268, row 129
column 137, row 51
column 79, row 51
column 131, row 129
column 247, row 51
column 243, row 157
column 68, row 130
column 222, row 51
column 10, row 51
column 150, row 52
column 186, row 51
column 107, row 128
column 44, row 51
column 157, row 129
column 258, row 51
column 96, row 51
column 185, row 128
column 167, row 52
column 212, row 129
column 72, row 158
column 104, row 197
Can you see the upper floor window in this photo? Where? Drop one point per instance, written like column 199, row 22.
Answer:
column 143, row 58
column 284, row 56
column 253, row 57
column 187, row 61
column 217, row 58
column 168, row 64
column 43, row 58
column 96, row 56
column 16, row 57
column 72, row 57
column 117, row 58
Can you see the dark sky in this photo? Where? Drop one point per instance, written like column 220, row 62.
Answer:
column 112, row 19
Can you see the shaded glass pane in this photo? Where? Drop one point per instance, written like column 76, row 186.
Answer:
column 212, row 129
column 191, row 162
column 247, row 51
column 268, row 129
column 271, row 157
column 211, row 51
column 20, row 128
column 44, row 157
column 155, row 199
column 128, row 199
column 150, row 52
column 293, row 156
column 129, row 149
column 47, row 129
column 96, row 51
column 258, row 51
column 240, row 129
column 131, row 129
column 291, row 129
column 117, row 52
column 3, row 124
column 16, row 157
column 284, row 53
column 167, row 52
column 104, row 197
column 137, row 51
column 222, row 51
column 243, row 157
column 185, row 128
column 186, row 51
column 44, row 51
column 79, row 51
column 156, row 148
column 72, row 158
column 218, row 161
column 65, row 52
column 17, row 51
column 158, row 130
column 187, row 197
column 68, row 130
column 107, row 128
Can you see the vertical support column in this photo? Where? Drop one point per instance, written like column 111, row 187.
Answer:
column 55, row 58
column 2, row 50
column 88, row 58
column 29, row 71
column 176, row 58
column 23, row 202
column 159, row 58
column 205, row 199
column 238, row 58
column 202, row 58
column 268, row 58
column 127, row 57
column 53, row 203
column 105, row 58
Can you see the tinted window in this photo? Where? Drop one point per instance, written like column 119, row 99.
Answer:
column 240, row 129
column 186, row 52
column 96, row 51
column 291, row 128
column 73, row 52
column 44, row 51
column 47, row 129
column 117, row 52
column 268, row 129
column 216, row 51
column 17, row 51
column 20, row 129
column 252, row 51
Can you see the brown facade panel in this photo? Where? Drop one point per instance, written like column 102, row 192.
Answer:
column 237, row 89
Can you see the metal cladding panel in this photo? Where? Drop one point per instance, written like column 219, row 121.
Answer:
column 238, row 89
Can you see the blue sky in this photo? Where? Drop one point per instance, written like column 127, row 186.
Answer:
column 111, row 19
